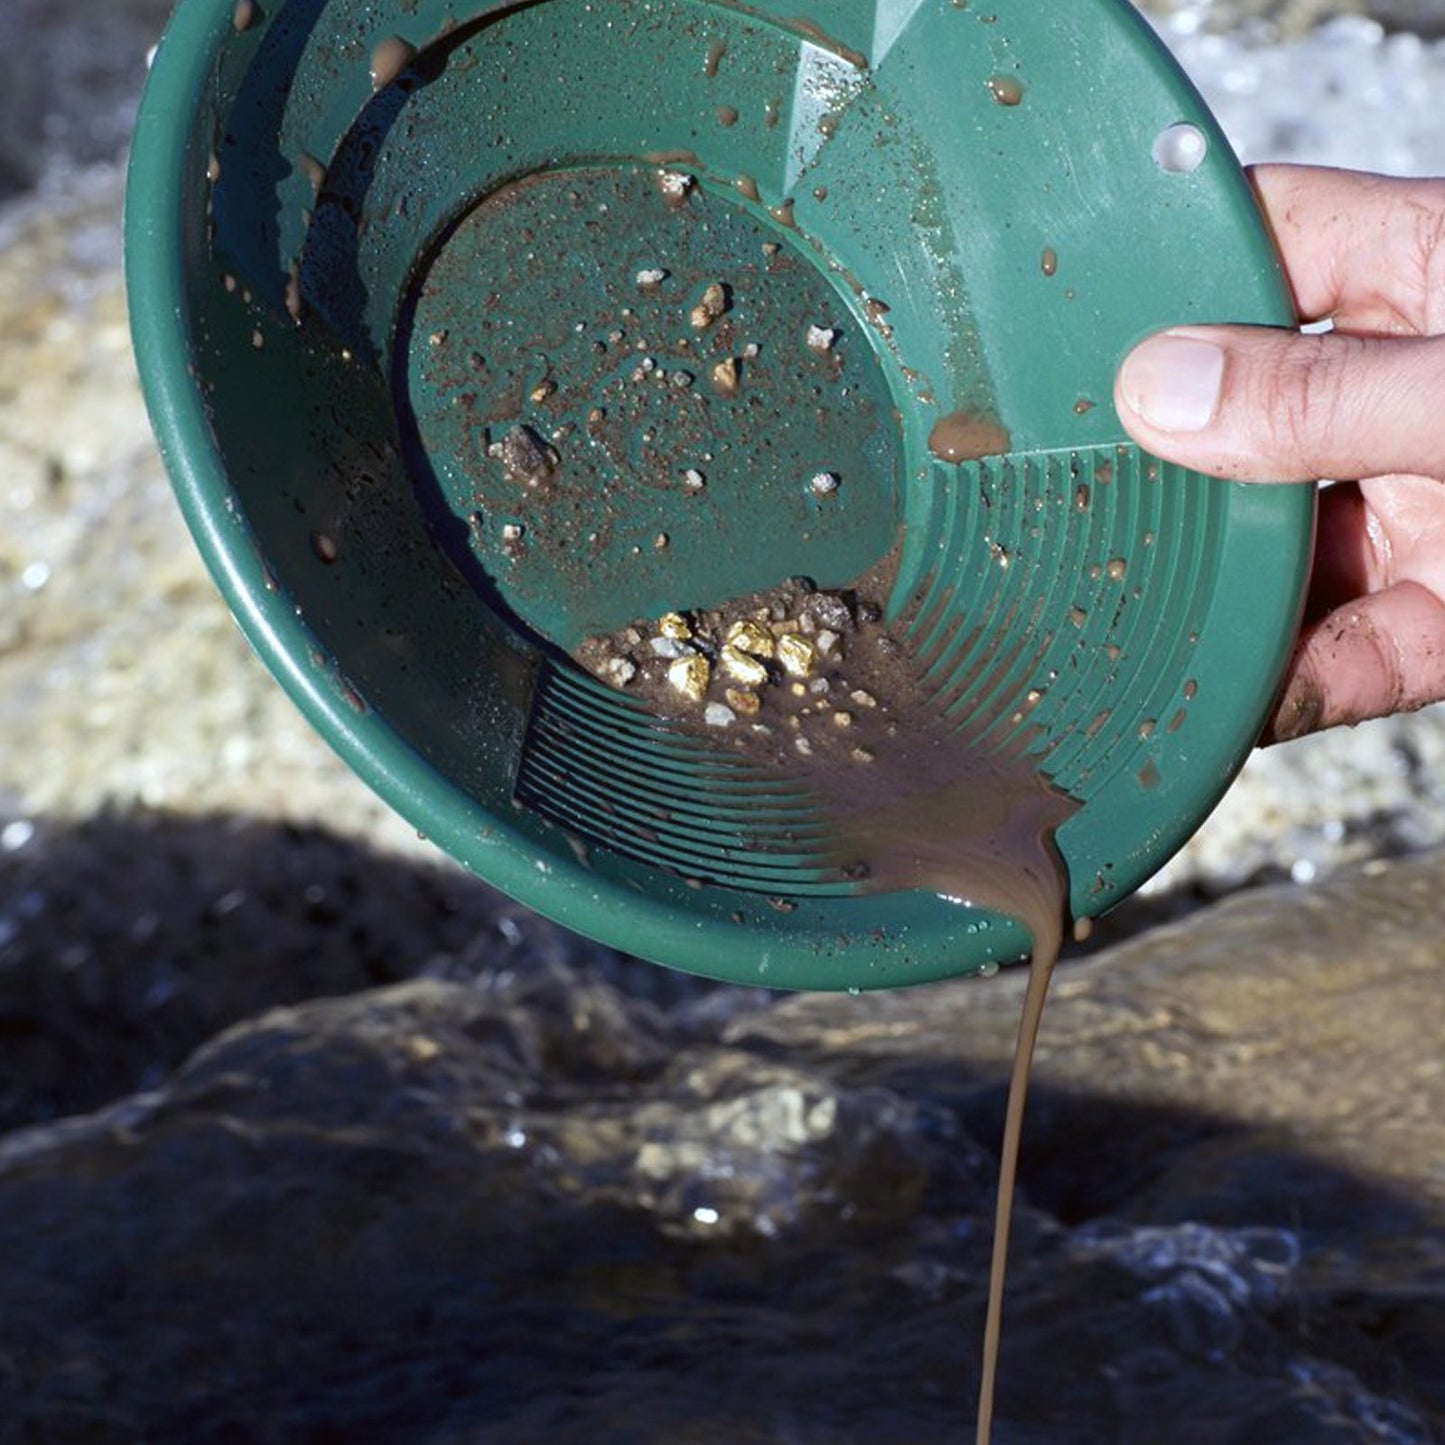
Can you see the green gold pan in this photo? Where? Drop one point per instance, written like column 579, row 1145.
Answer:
column 366, row 241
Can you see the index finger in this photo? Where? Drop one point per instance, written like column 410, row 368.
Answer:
column 1363, row 250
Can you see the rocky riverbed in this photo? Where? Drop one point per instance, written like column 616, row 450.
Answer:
column 308, row 1136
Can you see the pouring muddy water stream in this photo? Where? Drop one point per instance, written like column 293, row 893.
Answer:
column 911, row 798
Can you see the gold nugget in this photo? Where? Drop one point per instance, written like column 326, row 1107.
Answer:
column 689, row 675
column 797, row 654
column 751, row 637
column 745, row 669
column 742, row 702
column 675, row 626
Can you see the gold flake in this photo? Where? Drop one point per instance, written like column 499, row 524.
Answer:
column 749, row 637
column 689, row 675
column 737, row 664
column 797, row 654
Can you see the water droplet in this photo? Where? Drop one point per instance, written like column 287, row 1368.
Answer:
column 1005, row 89
column 35, row 576
column 1180, row 148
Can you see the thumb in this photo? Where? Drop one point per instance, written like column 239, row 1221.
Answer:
column 1263, row 404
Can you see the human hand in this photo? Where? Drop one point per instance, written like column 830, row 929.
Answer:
column 1363, row 405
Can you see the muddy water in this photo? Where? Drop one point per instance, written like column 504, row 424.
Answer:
column 943, row 814
column 962, row 435
column 390, row 57
column 914, row 794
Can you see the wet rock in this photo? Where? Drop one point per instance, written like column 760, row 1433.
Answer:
column 127, row 941
column 541, row 1205
column 419, row 1205
column 1301, row 1009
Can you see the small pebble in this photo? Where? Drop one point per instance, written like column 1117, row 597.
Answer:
column 525, row 458
column 725, row 376
column 830, row 611
column 712, row 305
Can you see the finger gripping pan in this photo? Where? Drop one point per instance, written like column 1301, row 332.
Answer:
column 512, row 362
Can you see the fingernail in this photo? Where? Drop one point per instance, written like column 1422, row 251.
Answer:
column 1173, row 381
